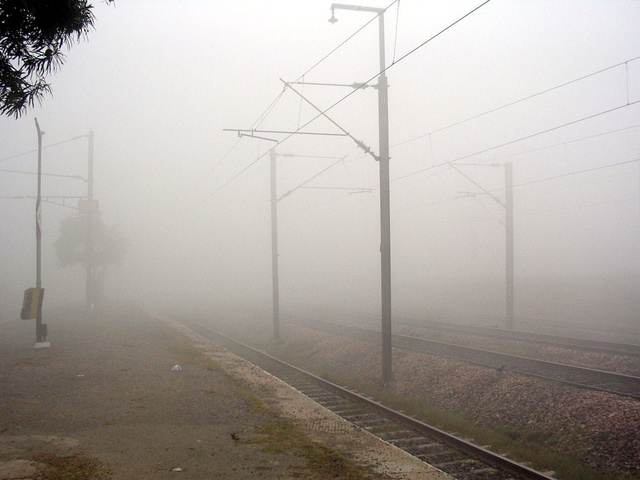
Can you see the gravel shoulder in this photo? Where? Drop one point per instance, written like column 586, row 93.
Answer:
column 104, row 398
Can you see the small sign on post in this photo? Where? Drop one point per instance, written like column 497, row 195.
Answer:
column 32, row 303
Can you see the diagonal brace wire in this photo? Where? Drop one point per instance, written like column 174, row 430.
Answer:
column 359, row 143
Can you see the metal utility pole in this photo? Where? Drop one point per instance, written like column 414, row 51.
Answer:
column 508, row 205
column 275, row 285
column 385, row 211
column 41, row 329
column 274, row 248
column 274, row 238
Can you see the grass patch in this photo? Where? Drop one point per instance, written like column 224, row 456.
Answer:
column 287, row 438
column 253, row 400
column 71, row 467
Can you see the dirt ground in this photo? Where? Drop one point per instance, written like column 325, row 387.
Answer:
column 104, row 400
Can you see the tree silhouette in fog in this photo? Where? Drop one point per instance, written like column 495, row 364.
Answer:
column 109, row 245
column 109, row 248
column 32, row 36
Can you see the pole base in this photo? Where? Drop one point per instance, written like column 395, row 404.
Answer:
column 42, row 345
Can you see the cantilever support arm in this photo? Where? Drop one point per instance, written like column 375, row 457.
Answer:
column 487, row 192
column 322, row 113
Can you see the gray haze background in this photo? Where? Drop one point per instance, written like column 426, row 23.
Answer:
column 158, row 81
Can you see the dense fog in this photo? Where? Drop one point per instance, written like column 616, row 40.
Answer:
column 551, row 87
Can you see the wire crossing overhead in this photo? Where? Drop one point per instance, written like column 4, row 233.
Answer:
column 252, row 131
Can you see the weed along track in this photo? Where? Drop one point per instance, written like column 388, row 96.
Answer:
column 453, row 455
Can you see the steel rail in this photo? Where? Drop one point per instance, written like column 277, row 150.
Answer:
column 585, row 344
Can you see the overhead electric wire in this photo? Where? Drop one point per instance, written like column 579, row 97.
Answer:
column 381, row 71
column 312, row 178
column 260, row 119
column 568, row 174
column 511, row 142
column 550, row 129
column 526, row 151
column 233, row 178
column 268, row 110
column 364, row 84
column 516, row 102
column 567, row 142
column 546, row 179
column 410, row 52
column 470, row 118
column 457, row 123
column 272, row 105
column 77, row 177
column 395, row 40
column 257, row 122
column 574, row 207
column 44, row 147
column 477, row 184
column 521, row 215
column 344, row 42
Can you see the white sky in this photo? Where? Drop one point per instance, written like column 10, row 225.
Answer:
column 158, row 81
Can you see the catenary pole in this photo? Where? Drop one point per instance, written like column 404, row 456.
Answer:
column 274, row 247
column 275, row 285
column 40, row 328
column 90, row 287
column 385, row 211
column 508, row 223
column 508, row 204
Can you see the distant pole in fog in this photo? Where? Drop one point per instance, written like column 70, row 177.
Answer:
column 274, row 248
column 508, row 205
column 90, row 287
column 274, row 213
column 275, row 287
column 509, row 256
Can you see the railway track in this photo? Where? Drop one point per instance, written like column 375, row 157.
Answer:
column 582, row 344
column 572, row 343
column 619, row 384
column 455, row 456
